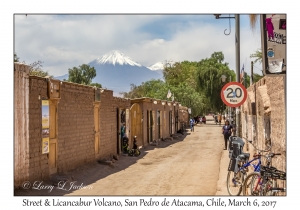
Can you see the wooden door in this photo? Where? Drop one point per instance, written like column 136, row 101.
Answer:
column 97, row 127
column 170, row 122
column 153, row 125
column 176, row 121
column 164, row 125
column 53, row 153
column 150, row 123
column 128, row 122
column 158, row 124
column 136, row 123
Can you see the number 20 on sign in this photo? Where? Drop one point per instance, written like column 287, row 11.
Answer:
column 234, row 94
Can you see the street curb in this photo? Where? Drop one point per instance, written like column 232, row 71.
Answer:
column 221, row 185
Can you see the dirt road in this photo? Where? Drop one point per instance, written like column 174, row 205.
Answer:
column 188, row 165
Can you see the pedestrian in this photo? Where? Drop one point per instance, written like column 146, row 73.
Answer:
column 123, row 129
column 226, row 131
column 204, row 120
column 192, row 122
column 219, row 119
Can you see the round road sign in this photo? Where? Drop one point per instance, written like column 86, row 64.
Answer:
column 234, row 94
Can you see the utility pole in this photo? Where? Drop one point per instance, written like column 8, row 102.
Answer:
column 237, row 70
column 251, row 76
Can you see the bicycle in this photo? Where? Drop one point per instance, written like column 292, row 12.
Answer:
column 264, row 182
column 235, row 180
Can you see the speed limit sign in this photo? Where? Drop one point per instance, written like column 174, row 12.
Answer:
column 234, row 94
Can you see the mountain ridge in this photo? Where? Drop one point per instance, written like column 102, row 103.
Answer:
column 116, row 71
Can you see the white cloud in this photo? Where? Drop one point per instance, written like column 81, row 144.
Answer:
column 66, row 41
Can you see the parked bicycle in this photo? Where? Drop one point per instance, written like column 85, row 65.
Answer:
column 236, row 178
column 264, row 182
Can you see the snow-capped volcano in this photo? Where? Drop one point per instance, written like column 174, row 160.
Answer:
column 117, row 71
column 157, row 66
column 116, row 57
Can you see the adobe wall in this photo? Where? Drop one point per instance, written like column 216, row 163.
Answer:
column 264, row 120
column 75, row 127
column 38, row 162
column 108, row 122
column 21, row 123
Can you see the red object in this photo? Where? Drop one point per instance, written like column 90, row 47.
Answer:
column 232, row 102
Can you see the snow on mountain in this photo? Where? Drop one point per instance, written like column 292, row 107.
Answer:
column 117, row 71
column 157, row 66
column 116, row 57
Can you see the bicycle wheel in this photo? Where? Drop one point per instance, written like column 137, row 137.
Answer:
column 270, row 183
column 251, row 185
column 234, row 182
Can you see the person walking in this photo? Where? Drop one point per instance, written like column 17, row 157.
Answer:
column 219, row 119
column 204, row 120
column 226, row 131
column 192, row 122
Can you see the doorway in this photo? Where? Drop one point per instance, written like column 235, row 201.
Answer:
column 170, row 122
column 121, row 128
column 97, row 127
column 150, row 126
column 158, row 124
column 53, row 153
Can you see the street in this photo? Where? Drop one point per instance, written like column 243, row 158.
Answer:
column 187, row 165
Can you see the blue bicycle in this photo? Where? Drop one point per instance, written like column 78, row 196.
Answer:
column 235, row 180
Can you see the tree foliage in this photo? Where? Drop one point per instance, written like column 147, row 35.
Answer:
column 209, row 81
column 257, row 56
column 82, row 74
column 35, row 68
column 96, row 85
column 16, row 58
column 196, row 85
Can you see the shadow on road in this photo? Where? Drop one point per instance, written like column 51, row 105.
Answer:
column 86, row 175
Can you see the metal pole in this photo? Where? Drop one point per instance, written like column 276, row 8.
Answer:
column 229, row 114
column 251, row 78
column 237, row 54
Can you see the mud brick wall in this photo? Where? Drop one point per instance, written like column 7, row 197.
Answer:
column 21, row 123
column 269, row 123
column 76, row 140
column 108, row 122
column 278, row 114
column 38, row 162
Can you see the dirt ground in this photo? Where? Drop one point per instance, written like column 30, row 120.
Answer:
column 187, row 165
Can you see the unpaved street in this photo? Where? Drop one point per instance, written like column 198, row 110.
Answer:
column 187, row 165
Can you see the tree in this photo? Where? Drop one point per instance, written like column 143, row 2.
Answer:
column 35, row 68
column 96, row 85
column 257, row 77
column 82, row 75
column 16, row 58
column 257, row 56
column 253, row 20
column 209, row 80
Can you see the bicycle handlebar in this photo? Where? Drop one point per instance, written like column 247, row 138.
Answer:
column 267, row 150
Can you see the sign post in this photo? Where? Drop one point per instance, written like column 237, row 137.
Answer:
column 233, row 94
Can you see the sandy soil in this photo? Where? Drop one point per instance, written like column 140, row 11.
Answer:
column 188, row 165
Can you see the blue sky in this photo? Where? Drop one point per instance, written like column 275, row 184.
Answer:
column 65, row 41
